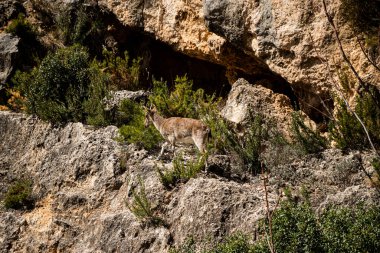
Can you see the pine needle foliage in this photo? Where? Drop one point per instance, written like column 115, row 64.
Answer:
column 347, row 131
column 141, row 206
column 306, row 139
column 182, row 101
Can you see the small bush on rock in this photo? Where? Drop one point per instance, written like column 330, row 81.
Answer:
column 124, row 72
column 247, row 145
column 141, row 206
column 182, row 170
column 80, row 23
column 183, row 101
column 19, row 196
column 29, row 47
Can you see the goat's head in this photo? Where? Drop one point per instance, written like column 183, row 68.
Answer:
column 149, row 114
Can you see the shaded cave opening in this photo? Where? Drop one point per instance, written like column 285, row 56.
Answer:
column 159, row 61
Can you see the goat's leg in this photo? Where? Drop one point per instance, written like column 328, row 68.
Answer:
column 201, row 145
column 172, row 143
column 162, row 150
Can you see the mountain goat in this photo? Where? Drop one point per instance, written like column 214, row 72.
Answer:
column 179, row 130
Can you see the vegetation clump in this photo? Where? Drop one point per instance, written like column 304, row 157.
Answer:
column 347, row 131
column 69, row 86
column 182, row 101
column 30, row 48
column 306, row 139
column 141, row 206
column 182, row 170
column 297, row 228
column 362, row 15
column 134, row 130
column 79, row 23
column 57, row 89
column 19, row 195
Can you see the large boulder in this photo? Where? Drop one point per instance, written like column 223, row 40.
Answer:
column 245, row 100
column 8, row 55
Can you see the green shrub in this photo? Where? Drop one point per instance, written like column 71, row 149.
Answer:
column 297, row 228
column 65, row 87
column 347, row 131
column 247, row 145
column 19, row 196
column 237, row 243
column 141, row 206
column 30, row 48
column 124, row 72
column 79, row 23
column 187, row 247
column 376, row 166
column 182, row 171
column 183, row 101
column 307, row 140
column 351, row 229
column 98, row 90
column 22, row 28
column 134, row 130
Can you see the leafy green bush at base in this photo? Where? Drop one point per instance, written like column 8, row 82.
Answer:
column 297, row 228
column 18, row 195
column 351, row 230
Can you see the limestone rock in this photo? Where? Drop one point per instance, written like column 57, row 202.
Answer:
column 293, row 38
column 246, row 99
column 8, row 55
column 117, row 96
column 82, row 177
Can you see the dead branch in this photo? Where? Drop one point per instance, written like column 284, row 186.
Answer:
column 336, row 33
column 268, row 212
column 366, row 55
column 364, row 85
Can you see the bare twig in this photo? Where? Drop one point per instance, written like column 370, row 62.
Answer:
column 364, row 85
column 336, row 33
column 366, row 55
column 268, row 212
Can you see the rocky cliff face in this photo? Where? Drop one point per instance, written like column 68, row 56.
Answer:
column 292, row 39
column 82, row 177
